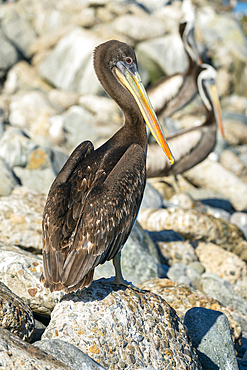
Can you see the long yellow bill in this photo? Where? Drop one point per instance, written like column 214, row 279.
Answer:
column 132, row 81
column 216, row 108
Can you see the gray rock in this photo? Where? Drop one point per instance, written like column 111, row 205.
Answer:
column 69, row 66
column 151, row 198
column 184, row 274
column 49, row 20
column 19, row 31
column 68, row 354
column 210, row 334
column 15, row 146
column 57, row 158
column 8, row 55
column 177, row 271
column 15, row 315
column 8, row 179
column 212, row 175
column 38, row 331
column 139, row 259
column 77, row 126
column 165, row 54
column 17, row 354
column 30, row 110
column 107, row 117
column 23, row 76
column 39, row 179
column 222, row 290
column 122, row 327
column 193, row 276
column 63, row 99
column 197, row 266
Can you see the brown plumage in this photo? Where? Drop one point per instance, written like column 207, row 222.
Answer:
column 93, row 203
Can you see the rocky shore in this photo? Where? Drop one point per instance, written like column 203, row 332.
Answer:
column 187, row 253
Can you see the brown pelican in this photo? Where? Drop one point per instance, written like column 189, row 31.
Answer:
column 93, row 203
column 171, row 93
column 190, row 146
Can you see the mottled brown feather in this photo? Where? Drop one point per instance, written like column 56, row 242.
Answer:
column 101, row 223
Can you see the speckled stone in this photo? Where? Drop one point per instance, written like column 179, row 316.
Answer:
column 15, row 315
column 223, row 263
column 17, row 354
column 21, row 273
column 177, row 251
column 182, row 297
column 122, row 328
column 196, row 226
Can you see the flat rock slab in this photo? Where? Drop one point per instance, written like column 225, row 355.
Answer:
column 17, row 354
column 122, row 327
column 15, row 315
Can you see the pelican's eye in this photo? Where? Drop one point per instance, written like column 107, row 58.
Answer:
column 128, row 60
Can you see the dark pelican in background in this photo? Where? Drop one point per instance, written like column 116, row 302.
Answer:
column 171, row 93
column 190, row 146
column 93, row 203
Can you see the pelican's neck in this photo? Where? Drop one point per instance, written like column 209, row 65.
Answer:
column 134, row 127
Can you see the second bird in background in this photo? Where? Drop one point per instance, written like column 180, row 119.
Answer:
column 190, row 146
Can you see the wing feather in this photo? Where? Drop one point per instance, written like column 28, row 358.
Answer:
column 88, row 218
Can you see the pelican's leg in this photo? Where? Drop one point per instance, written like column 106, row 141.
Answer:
column 118, row 272
column 119, row 276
